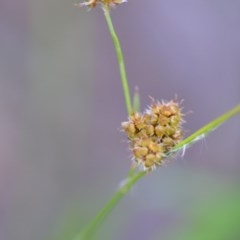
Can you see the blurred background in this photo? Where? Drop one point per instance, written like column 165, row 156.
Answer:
column 62, row 154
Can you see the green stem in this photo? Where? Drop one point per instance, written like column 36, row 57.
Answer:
column 202, row 132
column 91, row 228
column 120, row 60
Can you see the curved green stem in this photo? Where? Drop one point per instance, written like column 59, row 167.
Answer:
column 91, row 228
column 202, row 132
column 133, row 178
column 120, row 58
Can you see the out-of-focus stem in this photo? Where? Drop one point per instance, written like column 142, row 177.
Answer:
column 88, row 232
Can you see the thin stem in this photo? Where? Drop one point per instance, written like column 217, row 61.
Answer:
column 91, row 228
column 132, row 179
column 136, row 100
column 202, row 132
column 120, row 58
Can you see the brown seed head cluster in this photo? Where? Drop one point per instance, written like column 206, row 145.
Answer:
column 154, row 133
column 94, row 3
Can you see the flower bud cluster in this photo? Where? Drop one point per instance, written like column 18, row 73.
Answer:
column 154, row 133
column 94, row 3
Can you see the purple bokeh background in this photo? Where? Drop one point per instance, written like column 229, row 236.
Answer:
column 62, row 152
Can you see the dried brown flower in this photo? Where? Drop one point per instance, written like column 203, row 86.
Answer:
column 94, row 3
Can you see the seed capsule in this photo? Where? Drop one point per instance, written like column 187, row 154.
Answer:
column 144, row 142
column 168, row 142
column 175, row 110
column 150, row 161
column 162, row 120
column 149, row 130
column 169, row 130
column 151, row 119
column 140, row 152
column 154, row 147
column 129, row 127
column 177, row 135
column 138, row 121
column 159, row 157
column 166, row 111
column 160, row 131
column 175, row 120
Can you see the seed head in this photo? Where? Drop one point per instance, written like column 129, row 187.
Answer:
column 94, row 3
column 154, row 133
